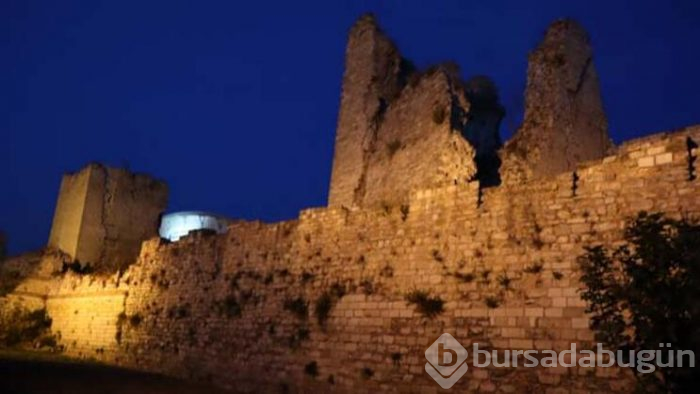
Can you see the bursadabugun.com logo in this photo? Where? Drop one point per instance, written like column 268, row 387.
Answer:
column 448, row 360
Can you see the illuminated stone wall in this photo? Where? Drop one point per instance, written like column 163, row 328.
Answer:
column 212, row 307
column 103, row 214
column 400, row 129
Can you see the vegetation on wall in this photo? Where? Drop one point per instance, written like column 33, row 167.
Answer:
column 297, row 306
column 427, row 305
column 646, row 292
column 311, row 369
column 26, row 328
column 9, row 279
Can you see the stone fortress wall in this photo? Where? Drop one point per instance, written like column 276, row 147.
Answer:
column 241, row 309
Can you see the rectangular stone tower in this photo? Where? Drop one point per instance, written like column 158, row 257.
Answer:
column 103, row 214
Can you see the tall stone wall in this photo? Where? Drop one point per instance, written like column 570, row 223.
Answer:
column 103, row 214
column 221, row 307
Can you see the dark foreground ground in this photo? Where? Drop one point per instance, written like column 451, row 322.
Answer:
column 29, row 373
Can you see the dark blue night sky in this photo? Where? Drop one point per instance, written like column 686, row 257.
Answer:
column 234, row 104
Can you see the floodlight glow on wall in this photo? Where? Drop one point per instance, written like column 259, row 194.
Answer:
column 175, row 225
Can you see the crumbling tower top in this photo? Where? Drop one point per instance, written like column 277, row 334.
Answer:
column 400, row 129
column 564, row 121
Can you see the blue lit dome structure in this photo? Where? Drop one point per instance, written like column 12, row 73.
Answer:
column 175, row 225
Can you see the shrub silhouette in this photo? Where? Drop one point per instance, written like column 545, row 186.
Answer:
column 647, row 292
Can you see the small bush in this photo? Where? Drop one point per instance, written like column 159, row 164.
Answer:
column 387, row 271
column 466, row 278
column 9, row 279
column 405, row 209
column 22, row 327
column 537, row 242
column 298, row 306
column 557, row 275
column 492, row 302
column 367, row 373
column 396, row 358
column 295, row 339
column 425, row 304
column 534, row 268
column 504, row 280
column 338, row 290
column 307, row 277
column 135, row 320
column 367, row 286
column 179, row 312
column 311, row 369
column 323, row 307
column 230, row 307
column 77, row 268
column 48, row 341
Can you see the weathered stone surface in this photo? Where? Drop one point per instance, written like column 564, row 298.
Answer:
column 400, row 129
column 564, row 122
column 373, row 67
column 103, row 214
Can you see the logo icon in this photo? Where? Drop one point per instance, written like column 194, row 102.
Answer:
column 446, row 361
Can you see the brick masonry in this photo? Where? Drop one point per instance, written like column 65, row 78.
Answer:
column 211, row 307
column 219, row 307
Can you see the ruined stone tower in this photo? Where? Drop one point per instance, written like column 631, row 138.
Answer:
column 103, row 214
column 564, row 121
column 400, row 129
